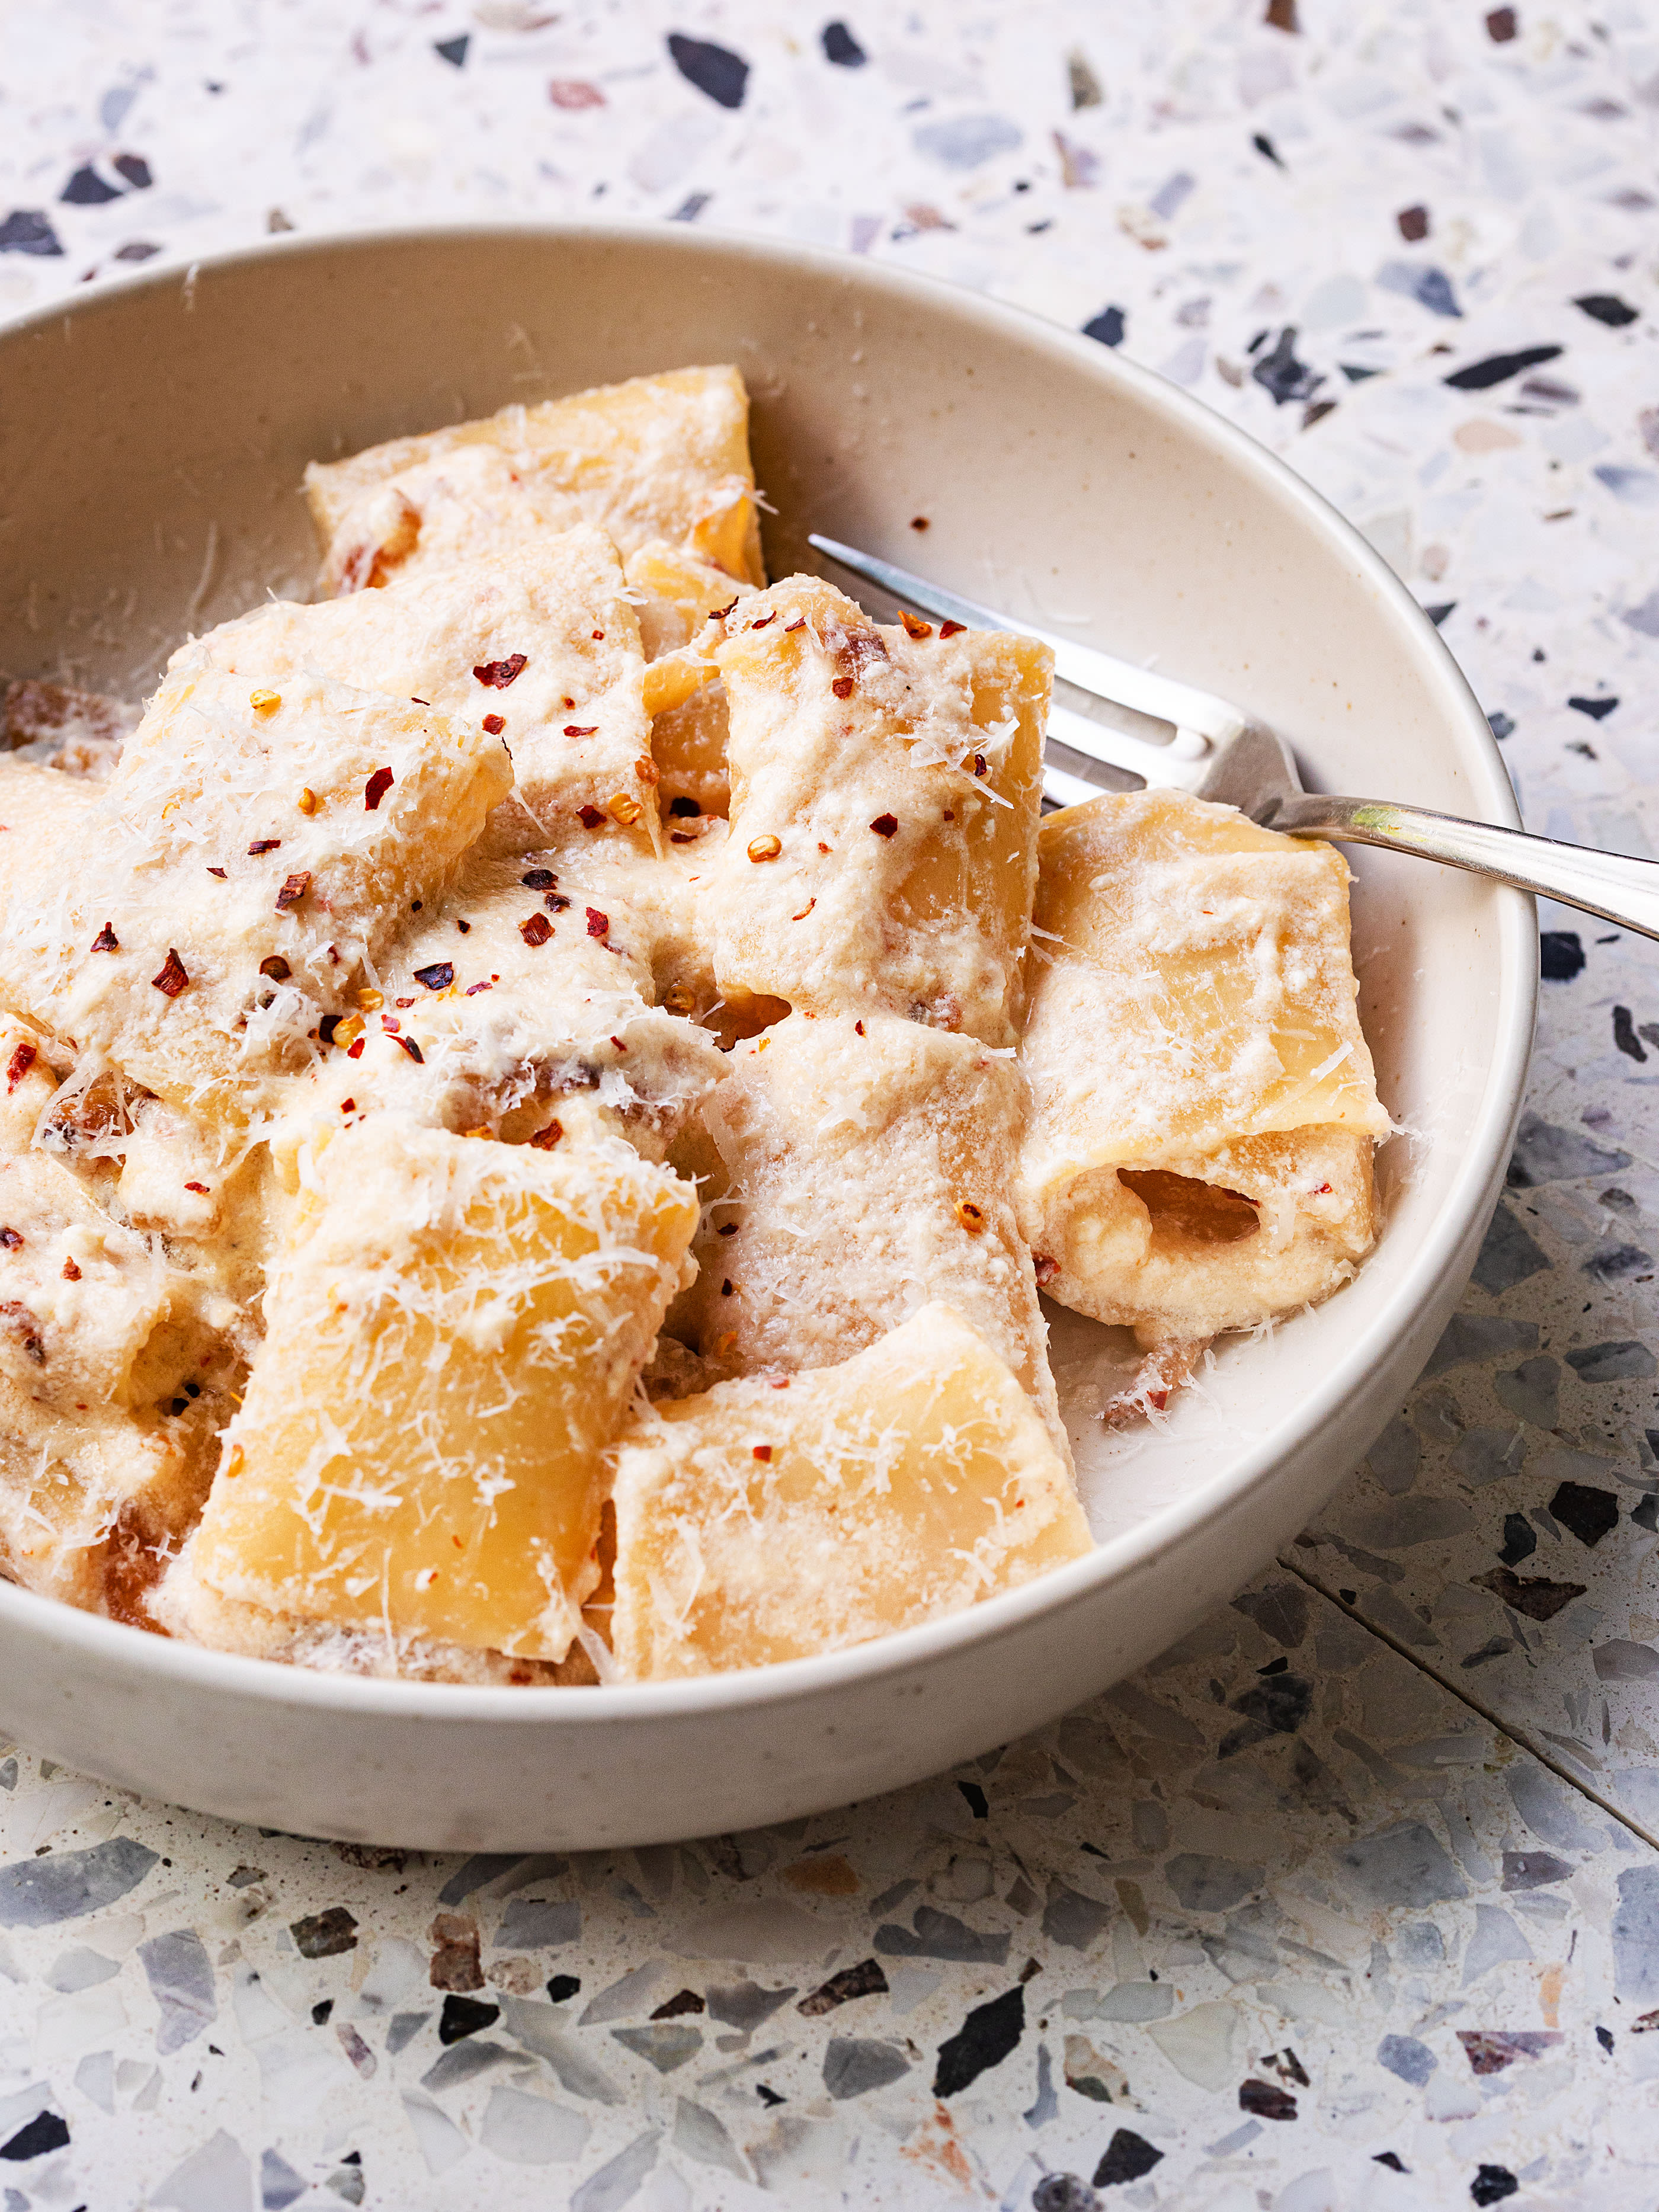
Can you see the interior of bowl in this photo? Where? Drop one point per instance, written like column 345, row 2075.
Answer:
column 151, row 444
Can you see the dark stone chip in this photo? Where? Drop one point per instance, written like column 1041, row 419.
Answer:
column 45, row 2132
column 1535, row 1597
column 85, row 188
column 1493, row 2183
column 1279, row 1705
column 1280, row 1610
column 320, row 2011
column 1280, row 373
column 562, row 1986
column 1620, row 1359
column 978, row 1803
column 1520, row 1539
column 1107, row 326
column 768, row 2096
column 1597, row 709
column 1265, row 146
column 1064, row 2193
column 136, row 169
column 1546, row 1153
column 437, row 977
column 682, row 2001
column 1509, row 1255
column 1413, row 223
column 1498, row 368
column 25, row 230
column 1604, row 2037
column 1501, row 27
column 453, row 50
column 465, row 2016
column 714, row 69
column 1391, row 2159
column 1560, row 954
column 1267, row 2102
column 865, row 1980
column 1490, row 2050
column 1624, row 1034
column 841, row 47
column 984, row 2039
column 1127, row 2157
column 1606, row 308
column 323, row 1935
column 1588, row 1513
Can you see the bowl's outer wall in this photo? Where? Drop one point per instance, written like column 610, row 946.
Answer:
column 151, row 441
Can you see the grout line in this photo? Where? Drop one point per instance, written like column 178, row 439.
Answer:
column 1464, row 1698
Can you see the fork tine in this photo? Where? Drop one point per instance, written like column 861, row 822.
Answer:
column 1200, row 719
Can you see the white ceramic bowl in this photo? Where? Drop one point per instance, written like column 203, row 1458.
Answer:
column 151, row 441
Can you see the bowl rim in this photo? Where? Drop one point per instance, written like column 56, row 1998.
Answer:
column 277, row 1682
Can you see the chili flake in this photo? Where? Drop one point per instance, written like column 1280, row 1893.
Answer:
column 466, row 927
column 885, row 825
column 761, row 621
column 842, row 687
column 539, row 879
column 599, row 925
column 590, row 816
column 376, row 789
column 598, row 635
column 369, row 1000
column 19, row 1066
column 172, row 978
column 1047, row 1269
column 647, row 769
column 265, row 703
column 71, row 1273
column 858, row 1028
column 294, row 890
column 354, row 1051
column 263, row 845
column 971, row 1217
column 217, row 871
column 544, row 1139
column 326, row 1027
column 981, row 766
column 437, row 977
column 805, row 911
column 308, row 801
column 556, row 902
column 413, row 1050
column 535, row 930
column 11, row 1239
column 200, row 1189
column 348, row 1028
column 496, row 675
column 763, row 1451
column 626, row 809
column 580, row 729
column 348, row 1105
column 800, row 622
column 107, row 940
column 678, row 1000
column 494, row 724
column 473, row 989
column 765, row 849
column 952, row 629
column 913, row 625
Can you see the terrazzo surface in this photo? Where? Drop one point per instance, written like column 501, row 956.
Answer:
column 1353, row 1899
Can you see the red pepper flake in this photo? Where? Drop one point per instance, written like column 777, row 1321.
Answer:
column 950, row 815
column 981, row 766
column 263, row 845
column 1322, row 1189
column 390, row 1023
column 647, row 769
column 781, row 1382
column 354, row 1051
column 620, row 1046
column 19, row 1066
column 719, row 614
column 414, row 702
column 200, row 1189
column 217, row 871
column 376, row 789
column 413, row 1050
column 580, row 729
column 437, row 977
column 800, row 622
column 556, row 902
column 536, row 929
column 567, row 701
column 496, row 675
column 598, row 635
column 842, row 687
column 348, row 1105
column 952, row 629
column 494, row 724
column 539, row 879
column 762, row 621
column 544, row 1139
column 294, row 890
column 473, row 989
column 599, row 925
column 11, row 1239
column 107, row 940
column 918, row 522
column 913, row 625
column 885, row 825
column 172, row 978
column 805, row 911
column 763, row 1451
column 1047, row 1269
column 71, row 1273
column 326, row 1027
column 591, row 816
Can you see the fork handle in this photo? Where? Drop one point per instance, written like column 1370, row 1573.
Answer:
column 1609, row 884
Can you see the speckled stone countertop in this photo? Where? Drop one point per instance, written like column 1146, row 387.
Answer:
column 1352, row 1900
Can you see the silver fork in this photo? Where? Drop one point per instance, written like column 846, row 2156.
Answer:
column 1219, row 753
